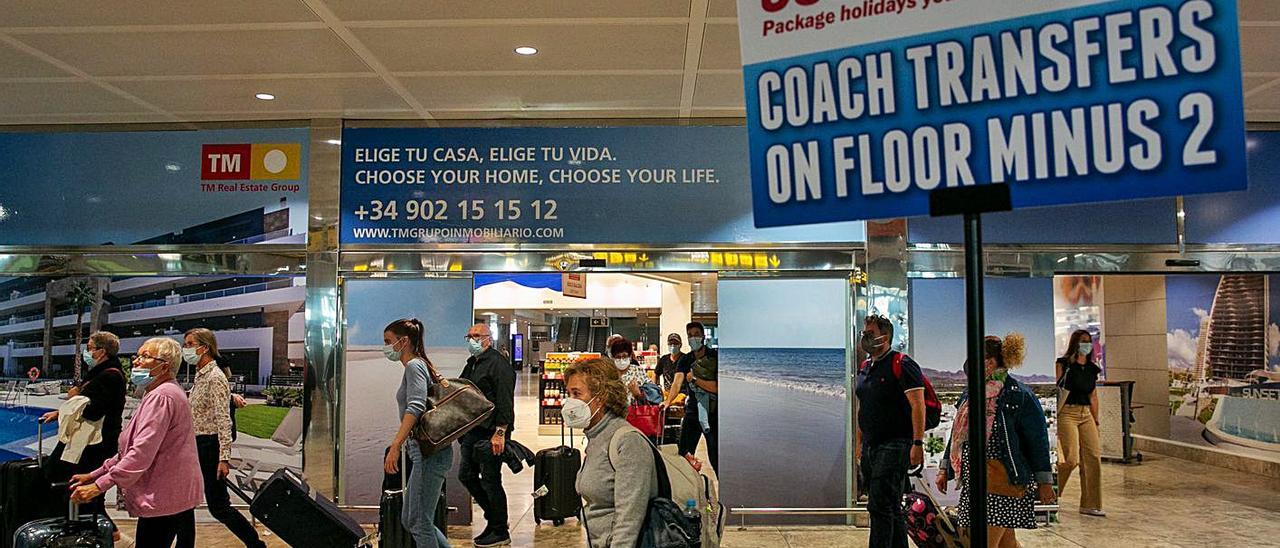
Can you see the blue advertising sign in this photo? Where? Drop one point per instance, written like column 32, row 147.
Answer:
column 154, row 187
column 857, row 110
column 663, row 184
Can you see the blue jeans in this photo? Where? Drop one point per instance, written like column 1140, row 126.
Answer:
column 885, row 468
column 422, row 493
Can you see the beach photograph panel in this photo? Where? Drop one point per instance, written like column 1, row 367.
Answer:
column 784, row 412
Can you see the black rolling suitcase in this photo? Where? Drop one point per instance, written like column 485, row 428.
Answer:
column 25, row 493
column 555, row 474
column 391, row 531
column 73, row 531
column 288, row 507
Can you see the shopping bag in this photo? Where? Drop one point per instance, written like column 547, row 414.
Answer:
column 646, row 418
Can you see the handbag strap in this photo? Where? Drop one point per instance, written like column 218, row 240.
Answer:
column 436, row 377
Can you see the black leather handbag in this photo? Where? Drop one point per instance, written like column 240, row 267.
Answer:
column 456, row 406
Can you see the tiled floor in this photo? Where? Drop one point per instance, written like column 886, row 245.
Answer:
column 1163, row 502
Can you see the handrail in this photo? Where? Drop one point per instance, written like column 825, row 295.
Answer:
column 215, row 294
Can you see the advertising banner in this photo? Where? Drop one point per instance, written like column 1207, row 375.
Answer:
column 1224, row 362
column 858, row 109
column 154, row 187
column 666, row 184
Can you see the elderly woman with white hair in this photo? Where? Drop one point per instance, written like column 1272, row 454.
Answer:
column 156, row 468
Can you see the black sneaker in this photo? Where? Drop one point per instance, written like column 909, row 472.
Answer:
column 483, row 534
column 493, row 538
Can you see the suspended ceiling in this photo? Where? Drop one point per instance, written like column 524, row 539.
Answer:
column 77, row 61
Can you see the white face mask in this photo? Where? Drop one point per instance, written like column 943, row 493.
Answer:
column 189, row 355
column 622, row 363
column 577, row 413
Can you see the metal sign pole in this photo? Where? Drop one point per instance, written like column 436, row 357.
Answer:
column 976, row 378
column 971, row 202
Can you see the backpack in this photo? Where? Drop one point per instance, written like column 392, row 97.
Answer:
column 932, row 406
column 665, row 525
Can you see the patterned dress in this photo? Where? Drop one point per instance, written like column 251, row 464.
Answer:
column 1002, row 511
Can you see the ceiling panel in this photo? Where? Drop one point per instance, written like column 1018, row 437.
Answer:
column 76, row 13
column 720, row 47
column 1258, row 48
column 1251, row 82
column 60, row 98
column 723, row 8
column 543, row 92
column 400, row 10
column 718, row 90
column 1259, row 10
column 175, row 53
column 560, row 47
column 19, row 64
column 292, row 95
column 554, row 114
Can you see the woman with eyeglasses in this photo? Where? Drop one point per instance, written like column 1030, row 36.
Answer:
column 156, row 469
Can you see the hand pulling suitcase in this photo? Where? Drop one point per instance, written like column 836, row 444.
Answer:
column 555, row 474
column 73, row 531
column 288, row 507
column 391, row 531
column 25, row 492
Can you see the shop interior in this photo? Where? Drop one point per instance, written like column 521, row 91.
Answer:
column 542, row 330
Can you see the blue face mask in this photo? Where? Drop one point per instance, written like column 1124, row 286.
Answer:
column 389, row 350
column 474, row 347
column 140, row 377
column 1085, row 348
column 88, row 357
column 695, row 343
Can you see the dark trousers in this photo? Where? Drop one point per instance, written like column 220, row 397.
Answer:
column 160, row 532
column 691, row 431
column 481, row 474
column 885, row 468
column 216, row 497
column 91, row 459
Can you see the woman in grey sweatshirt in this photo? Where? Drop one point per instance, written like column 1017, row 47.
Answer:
column 618, row 477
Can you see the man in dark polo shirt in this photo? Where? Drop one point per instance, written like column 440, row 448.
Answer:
column 685, row 379
column 890, row 429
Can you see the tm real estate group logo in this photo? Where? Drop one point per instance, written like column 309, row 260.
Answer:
column 250, row 162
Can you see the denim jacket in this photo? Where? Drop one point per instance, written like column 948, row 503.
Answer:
column 1027, row 453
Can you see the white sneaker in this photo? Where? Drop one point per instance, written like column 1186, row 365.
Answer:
column 1093, row 512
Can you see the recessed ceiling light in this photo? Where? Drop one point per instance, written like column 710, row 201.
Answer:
column 527, row 50
column 333, row 141
column 265, row 96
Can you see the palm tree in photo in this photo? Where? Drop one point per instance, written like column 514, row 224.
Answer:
column 82, row 294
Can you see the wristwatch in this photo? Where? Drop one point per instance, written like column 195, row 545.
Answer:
column 917, row 443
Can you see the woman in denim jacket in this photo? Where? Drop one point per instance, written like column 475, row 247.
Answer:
column 1017, row 436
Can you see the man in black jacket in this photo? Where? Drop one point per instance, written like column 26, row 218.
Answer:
column 481, row 473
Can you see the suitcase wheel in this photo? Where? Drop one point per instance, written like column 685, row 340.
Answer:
column 557, row 522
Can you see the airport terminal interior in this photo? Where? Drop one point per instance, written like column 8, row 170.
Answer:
column 770, row 204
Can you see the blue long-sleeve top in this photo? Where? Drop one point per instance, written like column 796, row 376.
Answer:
column 412, row 395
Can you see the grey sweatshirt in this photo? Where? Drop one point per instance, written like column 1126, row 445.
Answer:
column 616, row 491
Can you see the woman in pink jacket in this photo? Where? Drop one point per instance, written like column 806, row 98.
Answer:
column 156, row 468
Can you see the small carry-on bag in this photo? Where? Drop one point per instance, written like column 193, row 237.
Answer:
column 555, row 477
column 391, row 531
column 72, row 531
column 25, row 492
column 301, row 517
column 928, row 524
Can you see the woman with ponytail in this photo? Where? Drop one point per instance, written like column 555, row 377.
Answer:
column 402, row 344
column 1017, row 459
